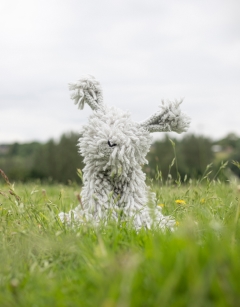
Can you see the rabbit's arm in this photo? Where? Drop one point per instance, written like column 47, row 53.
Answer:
column 169, row 118
column 87, row 90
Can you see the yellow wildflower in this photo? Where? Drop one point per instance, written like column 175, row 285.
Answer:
column 161, row 205
column 177, row 223
column 180, row 202
column 202, row 201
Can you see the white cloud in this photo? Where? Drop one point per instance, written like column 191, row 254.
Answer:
column 141, row 51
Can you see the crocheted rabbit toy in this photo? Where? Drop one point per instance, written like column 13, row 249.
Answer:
column 114, row 148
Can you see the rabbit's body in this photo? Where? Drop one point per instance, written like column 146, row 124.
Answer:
column 114, row 149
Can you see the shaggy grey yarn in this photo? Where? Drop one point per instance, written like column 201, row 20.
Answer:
column 114, row 148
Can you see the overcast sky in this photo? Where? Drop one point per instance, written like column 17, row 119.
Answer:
column 140, row 51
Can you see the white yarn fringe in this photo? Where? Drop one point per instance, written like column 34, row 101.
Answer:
column 114, row 149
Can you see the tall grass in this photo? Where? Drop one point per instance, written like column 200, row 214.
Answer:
column 44, row 263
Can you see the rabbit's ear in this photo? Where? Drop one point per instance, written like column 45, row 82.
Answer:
column 169, row 118
column 88, row 90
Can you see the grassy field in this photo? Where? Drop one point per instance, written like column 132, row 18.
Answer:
column 43, row 263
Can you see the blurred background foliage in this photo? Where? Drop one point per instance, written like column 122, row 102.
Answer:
column 58, row 161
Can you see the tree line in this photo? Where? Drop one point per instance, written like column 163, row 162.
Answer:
column 58, row 161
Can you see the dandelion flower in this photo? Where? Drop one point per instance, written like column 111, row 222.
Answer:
column 180, row 202
column 161, row 205
column 177, row 223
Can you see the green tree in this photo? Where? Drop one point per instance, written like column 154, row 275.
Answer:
column 195, row 153
column 58, row 161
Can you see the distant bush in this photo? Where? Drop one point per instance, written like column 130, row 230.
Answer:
column 58, row 161
column 192, row 155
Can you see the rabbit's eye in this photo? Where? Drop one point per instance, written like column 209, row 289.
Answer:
column 111, row 144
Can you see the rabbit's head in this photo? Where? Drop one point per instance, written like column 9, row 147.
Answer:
column 111, row 140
